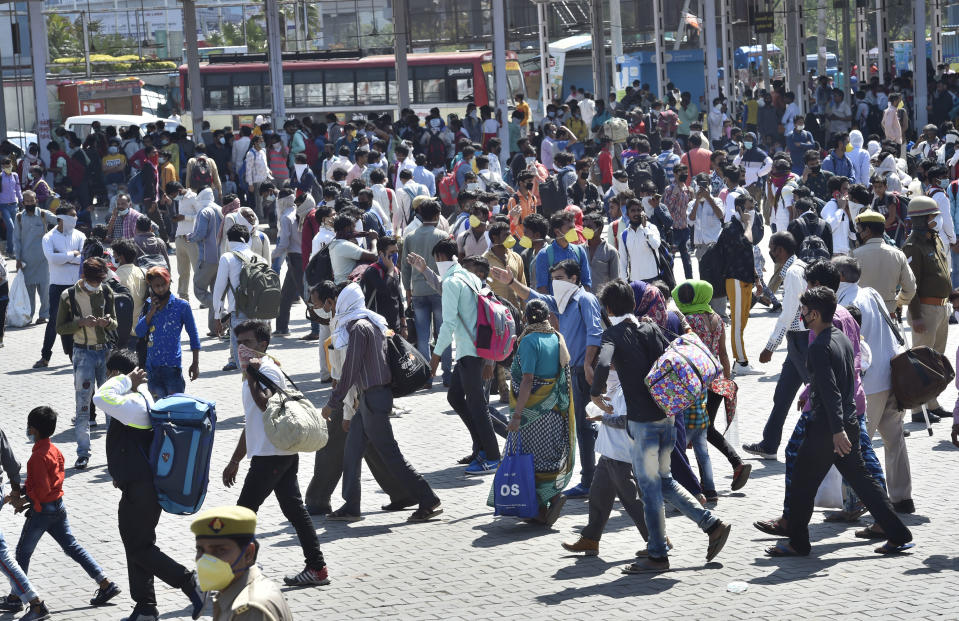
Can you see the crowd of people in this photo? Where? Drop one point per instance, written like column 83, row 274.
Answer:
column 405, row 227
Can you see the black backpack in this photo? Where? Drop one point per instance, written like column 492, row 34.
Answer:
column 711, row 269
column 640, row 171
column 551, row 196
column 122, row 306
column 320, row 267
column 874, row 120
column 436, row 151
column 813, row 249
column 409, row 370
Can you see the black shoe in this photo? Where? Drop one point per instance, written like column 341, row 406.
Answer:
column 142, row 616
column 105, row 594
column 328, row 380
column 906, row 433
column 465, row 461
column 319, row 510
column 904, row 506
column 197, row 597
column 399, row 505
column 82, row 463
column 917, row 417
column 229, row 366
column 941, row 413
column 11, row 603
column 37, row 612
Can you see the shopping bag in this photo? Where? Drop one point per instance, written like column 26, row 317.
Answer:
column 18, row 308
column 829, row 494
column 514, row 484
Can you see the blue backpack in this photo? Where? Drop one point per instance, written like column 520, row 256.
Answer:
column 183, row 429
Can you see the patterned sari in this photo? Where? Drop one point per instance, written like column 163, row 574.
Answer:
column 548, row 426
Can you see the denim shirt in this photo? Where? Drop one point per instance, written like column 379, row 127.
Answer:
column 163, row 344
column 580, row 324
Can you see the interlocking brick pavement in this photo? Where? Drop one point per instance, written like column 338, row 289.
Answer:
column 468, row 564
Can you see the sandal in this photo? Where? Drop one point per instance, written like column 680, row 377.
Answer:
column 552, row 513
column 647, row 566
column 870, row 532
column 893, row 548
column 848, row 517
column 340, row 515
column 772, row 527
column 781, row 549
column 423, row 514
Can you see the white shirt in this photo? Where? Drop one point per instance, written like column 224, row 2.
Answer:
column 841, row 225
column 638, row 253
column 240, row 147
column 707, row 226
column 548, row 149
column 323, row 237
column 875, row 331
column 729, row 204
column 403, row 211
column 384, row 201
column 789, row 116
column 587, row 109
column 344, row 255
column 188, row 207
column 117, row 399
column 794, row 285
column 944, row 224
column 228, row 275
column 490, row 126
column 859, row 158
column 257, row 444
column 407, row 163
column 63, row 256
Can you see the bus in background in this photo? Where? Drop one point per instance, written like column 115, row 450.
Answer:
column 236, row 90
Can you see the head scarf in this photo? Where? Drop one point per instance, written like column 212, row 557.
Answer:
column 538, row 321
column 856, row 139
column 350, row 306
column 649, row 303
column 304, row 209
column 703, row 293
column 873, row 148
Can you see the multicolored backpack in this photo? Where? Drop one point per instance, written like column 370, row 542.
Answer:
column 495, row 327
column 681, row 376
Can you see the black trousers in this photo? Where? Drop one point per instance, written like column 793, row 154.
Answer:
column 468, row 397
column 713, row 436
column 613, row 479
column 328, row 468
column 138, row 515
column 276, row 474
column 50, row 332
column 371, row 428
column 292, row 289
column 815, row 456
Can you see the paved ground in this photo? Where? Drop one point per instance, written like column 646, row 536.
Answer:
column 468, row 564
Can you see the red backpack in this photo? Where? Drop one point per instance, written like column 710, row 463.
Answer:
column 495, row 327
column 448, row 189
column 76, row 171
column 310, row 149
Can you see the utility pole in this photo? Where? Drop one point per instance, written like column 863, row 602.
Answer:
column 542, row 26
column 935, row 31
column 38, row 55
column 499, row 75
column 821, row 38
column 882, row 39
column 727, row 58
column 401, row 32
column 85, row 25
column 194, row 83
column 921, row 90
column 274, row 52
column 709, row 44
column 681, row 26
column 659, row 50
column 862, row 48
column 600, row 84
column 846, row 49
column 796, row 51
column 615, row 39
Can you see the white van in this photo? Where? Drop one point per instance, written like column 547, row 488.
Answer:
column 81, row 124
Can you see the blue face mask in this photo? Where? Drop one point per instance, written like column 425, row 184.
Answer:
column 30, row 438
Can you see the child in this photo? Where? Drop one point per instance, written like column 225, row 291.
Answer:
column 613, row 475
column 8, row 566
column 46, row 512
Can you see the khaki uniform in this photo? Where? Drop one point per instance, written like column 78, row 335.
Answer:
column 252, row 597
column 927, row 259
column 885, row 268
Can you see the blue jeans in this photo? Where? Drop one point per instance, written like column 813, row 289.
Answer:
column 697, row 437
column 652, row 444
column 7, row 211
column 427, row 308
column 164, row 381
column 52, row 518
column 585, row 432
column 873, row 467
column 681, row 241
column 955, row 270
column 19, row 583
column 786, row 389
column 89, row 371
column 236, row 318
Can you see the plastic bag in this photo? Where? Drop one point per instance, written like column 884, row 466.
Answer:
column 829, row 495
column 514, row 484
column 18, row 309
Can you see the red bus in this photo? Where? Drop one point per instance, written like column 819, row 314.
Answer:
column 235, row 92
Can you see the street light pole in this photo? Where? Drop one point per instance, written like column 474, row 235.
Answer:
column 401, row 31
column 274, row 51
column 194, row 82
column 499, row 75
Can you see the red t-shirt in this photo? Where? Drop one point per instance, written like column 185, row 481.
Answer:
column 44, row 474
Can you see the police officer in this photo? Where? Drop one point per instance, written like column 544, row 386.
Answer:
column 226, row 550
column 928, row 313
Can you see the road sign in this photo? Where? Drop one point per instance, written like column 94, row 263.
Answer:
column 763, row 23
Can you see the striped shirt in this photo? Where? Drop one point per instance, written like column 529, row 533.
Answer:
column 365, row 363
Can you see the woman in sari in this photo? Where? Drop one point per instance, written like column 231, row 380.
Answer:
column 542, row 401
column 651, row 306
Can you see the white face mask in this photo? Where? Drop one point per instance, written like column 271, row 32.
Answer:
column 442, row 267
column 563, row 291
column 530, row 161
column 648, row 206
column 618, row 320
column 69, row 222
column 475, row 187
column 90, row 288
column 299, row 168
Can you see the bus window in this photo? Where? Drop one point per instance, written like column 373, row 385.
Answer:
column 248, row 91
column 392, row 93
column 339, row 87
column 464, row 89
column 429, row 84
column 370, row 86
column 216, row 91
column 308, row 88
